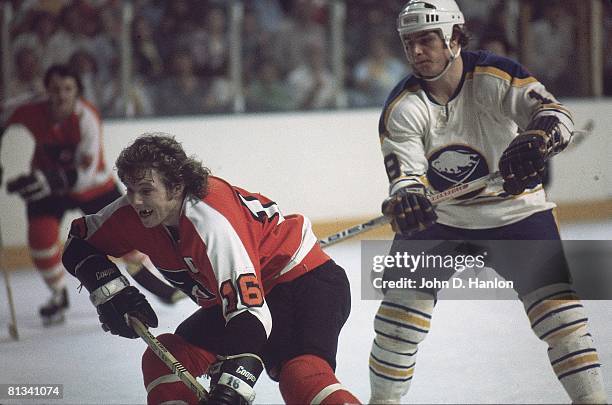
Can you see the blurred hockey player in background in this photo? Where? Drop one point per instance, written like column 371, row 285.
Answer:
column 269, row 296
column 67, row 172
column 459, row 117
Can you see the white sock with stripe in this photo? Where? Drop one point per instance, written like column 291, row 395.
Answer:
column 401, row 323
column 558, row 318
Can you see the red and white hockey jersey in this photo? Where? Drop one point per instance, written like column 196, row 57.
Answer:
column 74, row 143
column 234, row 247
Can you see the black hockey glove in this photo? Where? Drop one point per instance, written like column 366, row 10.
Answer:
column 38, row 185
column 410, row 210
column 128, row 301
column 523, row 163
column 232, row 380
column 109, row 291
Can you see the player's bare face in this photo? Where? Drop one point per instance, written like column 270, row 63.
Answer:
column 152, row 201
column 426, row 52
column 63, row 93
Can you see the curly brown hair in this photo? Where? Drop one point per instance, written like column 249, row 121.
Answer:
column 162, row 152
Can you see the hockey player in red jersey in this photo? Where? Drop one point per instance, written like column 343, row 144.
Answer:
column 269, row 296
column 67, row 171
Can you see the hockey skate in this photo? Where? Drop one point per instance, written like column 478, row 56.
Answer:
column 52, row 312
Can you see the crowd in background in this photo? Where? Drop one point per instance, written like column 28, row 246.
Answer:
column 180, row 52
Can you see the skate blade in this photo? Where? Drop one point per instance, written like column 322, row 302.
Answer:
column 13, row 332
column 52, row 320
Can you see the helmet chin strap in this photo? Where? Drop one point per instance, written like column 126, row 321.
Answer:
column 448, row 65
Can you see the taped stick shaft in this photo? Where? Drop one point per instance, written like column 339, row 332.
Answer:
column 164, row 355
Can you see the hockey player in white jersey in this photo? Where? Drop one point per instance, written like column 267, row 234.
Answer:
column 461, row 116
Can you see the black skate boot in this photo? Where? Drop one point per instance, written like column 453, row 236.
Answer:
column 52, row 312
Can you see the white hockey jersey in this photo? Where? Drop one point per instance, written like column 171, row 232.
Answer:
column 440, row 146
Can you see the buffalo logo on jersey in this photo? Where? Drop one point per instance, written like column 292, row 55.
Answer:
column 455, row 164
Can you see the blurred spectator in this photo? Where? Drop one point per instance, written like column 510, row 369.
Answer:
column 182, row 92
column 478, row 15
column 217, row 43
column 552, row 40
column 252, row 37
column 219, row 95
column 376, row 74
column 43, row 26
column 71, row 34
column 268, row 92
column 147, row 59
column 27, row 82
column 311, row 83
column 501, row 26
column 269, row 14
column 496, row 43
column 197, row 44
column 106, row 37
column 85, row 65
column 209, row 44
column 478, row 9
column 371, row 19
column 295, row 33
column 25, row 10
column 139, row 102
column 150, row 10
column 175, row 28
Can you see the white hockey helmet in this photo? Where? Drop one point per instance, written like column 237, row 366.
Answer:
column 423, row 15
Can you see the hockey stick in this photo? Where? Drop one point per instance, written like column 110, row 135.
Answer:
column 12, row 326
column 164, row 355
column 448, row 194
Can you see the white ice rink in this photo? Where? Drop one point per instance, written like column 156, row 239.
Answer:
column 476, row 351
